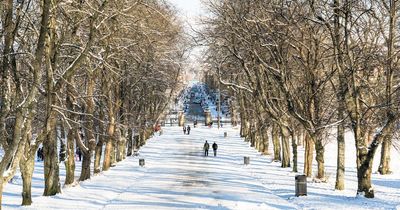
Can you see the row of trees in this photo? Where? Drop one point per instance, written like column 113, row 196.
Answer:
column 90, row 74
column 307, row 69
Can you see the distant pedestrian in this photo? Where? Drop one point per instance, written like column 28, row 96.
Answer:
column 184, row 129
column 215, row 147
column 188, row 130
column 206, row 147
column 79, row 154
column 42, row 154
column 39, row 155
column 63, row 153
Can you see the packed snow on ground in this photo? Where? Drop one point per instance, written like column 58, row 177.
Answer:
column 177, row 176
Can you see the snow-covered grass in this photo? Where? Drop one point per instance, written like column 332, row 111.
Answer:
column 177, row 176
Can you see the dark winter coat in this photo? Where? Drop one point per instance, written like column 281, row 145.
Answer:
column 215, row 146
column 206, row 146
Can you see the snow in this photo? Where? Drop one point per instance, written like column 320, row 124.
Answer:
column 177, row 176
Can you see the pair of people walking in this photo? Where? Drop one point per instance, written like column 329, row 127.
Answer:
column 206, row 147
column 186, row 130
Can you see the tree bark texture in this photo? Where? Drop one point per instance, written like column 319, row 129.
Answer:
column 285, row 148
column 340, row 168
column 276, row 143
column 308, row 156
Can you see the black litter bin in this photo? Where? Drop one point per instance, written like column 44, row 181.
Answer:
column 225, row 134
column 141, row 162
column 246, row 160
column 301, row 185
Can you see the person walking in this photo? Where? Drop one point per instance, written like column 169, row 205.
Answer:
column 215, row 147
column 206, row 147
column 79, row 154
column 63, row 153
column 184, row 129
column 39, row 154
column 188, row 129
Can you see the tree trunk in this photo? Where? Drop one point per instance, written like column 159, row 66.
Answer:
column 244, row 125
column 70, row 163
column 27, row 172
column 99, row 145
column 340, row 168
column 253, row 134
column 276, row 143
column 130, row 142
column 265, row 141
column 245, row 128
column 285, row 148
column 365, row 156
column 121, row 149
column 319, row 157
column 233, row 114
column 86, row 153
column 109, row 146
column 90, row 141
column 113, row 154
column 308, row 157
column 142, row 137
column 136, row 140
column 98, row 153
column 50, row 150
column 294, row 150
column 118, row 141
column 86, row 161
column 384, row 166
column 261, row 145
column 110, row 131
column 51, row 165
column 1, row 191
column 364, row 171
column 27, row 162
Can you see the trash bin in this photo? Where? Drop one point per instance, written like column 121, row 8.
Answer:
column 141, row 162
column 301, row 185
column 225, row 134
column 246, row 160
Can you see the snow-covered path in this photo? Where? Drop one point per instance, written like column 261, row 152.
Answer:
column 175, row 176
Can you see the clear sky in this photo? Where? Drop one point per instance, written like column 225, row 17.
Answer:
column 188, row 7
column 189, row 10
